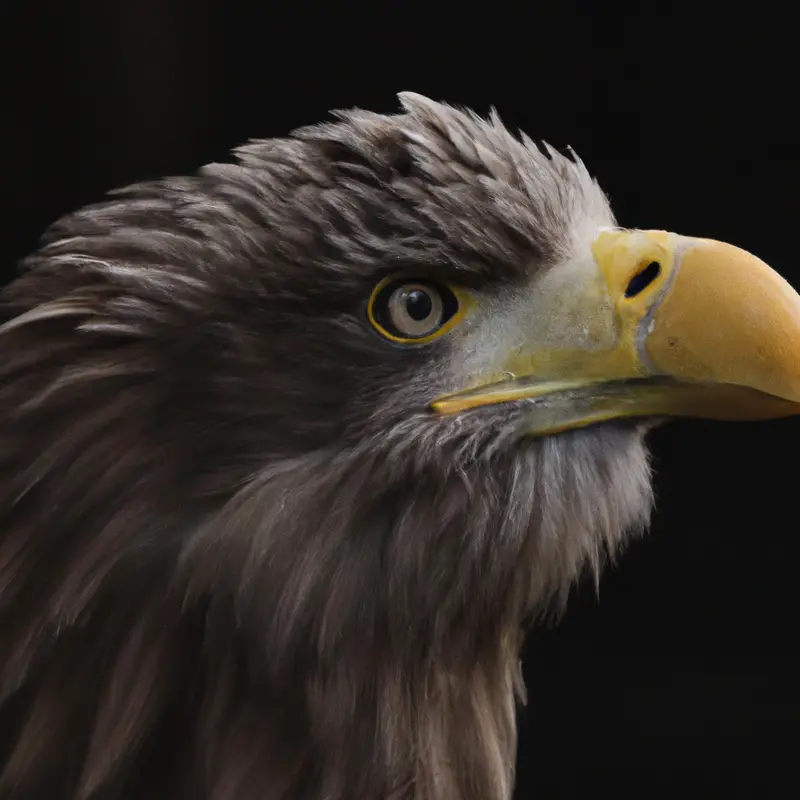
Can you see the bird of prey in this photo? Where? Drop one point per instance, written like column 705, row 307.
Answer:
column 293, row 449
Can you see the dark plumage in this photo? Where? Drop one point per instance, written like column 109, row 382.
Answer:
column 240, row 557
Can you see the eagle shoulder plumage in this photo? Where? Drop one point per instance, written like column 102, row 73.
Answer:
column 293, row 448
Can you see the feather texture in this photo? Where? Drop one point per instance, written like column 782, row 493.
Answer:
column 238, row 557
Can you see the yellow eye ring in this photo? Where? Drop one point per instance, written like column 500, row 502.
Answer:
column 407, row 310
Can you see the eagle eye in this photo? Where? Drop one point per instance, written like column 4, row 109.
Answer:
column 414, row 311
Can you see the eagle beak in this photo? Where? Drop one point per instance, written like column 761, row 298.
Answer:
column 655, row 324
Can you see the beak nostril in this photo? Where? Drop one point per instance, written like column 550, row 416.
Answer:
column 641, row 280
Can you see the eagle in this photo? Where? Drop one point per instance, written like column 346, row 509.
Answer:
column 293, row 450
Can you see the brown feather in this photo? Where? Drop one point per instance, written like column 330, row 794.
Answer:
column 239, row 558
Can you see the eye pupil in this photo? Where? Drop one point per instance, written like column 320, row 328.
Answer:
column 418, row 305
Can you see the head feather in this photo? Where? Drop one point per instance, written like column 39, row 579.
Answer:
column 238, row 558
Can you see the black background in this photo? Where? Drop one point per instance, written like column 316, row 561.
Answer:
column 683, row 674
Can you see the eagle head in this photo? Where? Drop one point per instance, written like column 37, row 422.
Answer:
column 294, row 447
